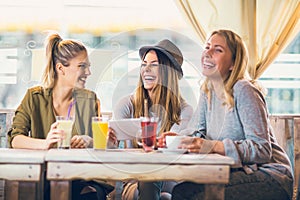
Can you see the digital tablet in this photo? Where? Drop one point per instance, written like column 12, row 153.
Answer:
column 126, row 129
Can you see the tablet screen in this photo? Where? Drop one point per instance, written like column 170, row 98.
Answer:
column 126, row 129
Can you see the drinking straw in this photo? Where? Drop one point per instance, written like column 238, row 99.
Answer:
column 146, row 108
column 99, row 110
column 70, row 108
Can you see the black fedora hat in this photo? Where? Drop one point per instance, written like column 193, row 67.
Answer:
column 170, row 50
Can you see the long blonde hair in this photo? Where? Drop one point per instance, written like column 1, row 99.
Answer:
column 240, row 64
column 58, row 51
column 167, row 97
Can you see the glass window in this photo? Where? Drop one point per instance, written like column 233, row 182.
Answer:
column 113, row 49
column 282, row 80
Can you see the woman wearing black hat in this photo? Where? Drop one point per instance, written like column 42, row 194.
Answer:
column 159, row 84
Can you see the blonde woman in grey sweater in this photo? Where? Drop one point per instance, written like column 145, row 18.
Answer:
column 233, row 121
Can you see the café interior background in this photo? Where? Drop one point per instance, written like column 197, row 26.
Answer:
column 113, row 30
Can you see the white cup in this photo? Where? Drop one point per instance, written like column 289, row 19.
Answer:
column 172, row 142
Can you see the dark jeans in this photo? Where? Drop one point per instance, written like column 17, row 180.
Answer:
column 158, row 190
column 78, row 185
column 242, row 186
column 149, row 190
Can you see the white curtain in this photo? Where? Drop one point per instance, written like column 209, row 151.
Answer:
column 266, row 26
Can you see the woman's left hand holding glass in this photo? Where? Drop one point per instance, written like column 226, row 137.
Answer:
column 53, row 136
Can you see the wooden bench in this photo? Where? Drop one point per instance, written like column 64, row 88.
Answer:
column 296, row 157
column 6, row 116
column 287, row 132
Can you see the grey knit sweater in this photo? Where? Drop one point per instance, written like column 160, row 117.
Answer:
column 246, row 132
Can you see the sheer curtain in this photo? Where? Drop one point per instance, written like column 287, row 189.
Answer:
column 267, row 26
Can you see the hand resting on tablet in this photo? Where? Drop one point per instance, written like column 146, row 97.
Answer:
column 126, row 129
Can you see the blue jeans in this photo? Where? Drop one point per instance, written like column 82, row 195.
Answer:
column 241, row 186
column 158, row 190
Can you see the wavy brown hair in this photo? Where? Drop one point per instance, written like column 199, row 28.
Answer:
column 167, row 97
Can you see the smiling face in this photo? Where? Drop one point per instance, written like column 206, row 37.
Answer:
column 216, row 58
column 149, row 70
column 76, row 73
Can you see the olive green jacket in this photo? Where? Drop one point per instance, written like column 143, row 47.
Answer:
column 35, row 115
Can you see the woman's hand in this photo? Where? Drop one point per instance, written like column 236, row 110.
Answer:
column 112, row 138
column 192, row 144
column 200, row 145
column 53, row 136
column 161, row 140
column 80, row 141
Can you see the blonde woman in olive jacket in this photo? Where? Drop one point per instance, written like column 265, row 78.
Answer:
column 63, row 83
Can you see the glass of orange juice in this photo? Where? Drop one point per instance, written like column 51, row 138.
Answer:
column 100, row 132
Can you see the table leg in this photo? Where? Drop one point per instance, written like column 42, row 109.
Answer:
column 214, row 191
column 27, row 190
column 19, row 190
column 60, row 190
column 11, row 190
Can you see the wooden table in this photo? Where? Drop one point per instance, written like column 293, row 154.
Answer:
column 23, row 172
column 65, row 165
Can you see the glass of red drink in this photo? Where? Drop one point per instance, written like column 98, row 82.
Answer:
column 148, row 135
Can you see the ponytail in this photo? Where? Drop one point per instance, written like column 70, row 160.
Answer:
column 58, row 51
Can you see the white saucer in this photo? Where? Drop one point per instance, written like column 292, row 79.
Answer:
column 177, row 151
